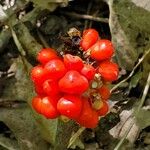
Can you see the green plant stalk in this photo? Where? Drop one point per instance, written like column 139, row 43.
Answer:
column 144, row 93
column 19, row 46
column 44, row 43
column 132, row 72
column 75, row 136
column 123, row 138
column 140, row 106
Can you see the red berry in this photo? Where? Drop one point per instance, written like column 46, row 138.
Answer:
column 73, row 62
column 104, row 92
column 38, row 75
column 104, row 109
column 39, row 90
column 50, row 87
column 88, row 71
column 70, row 106
column 46, row 106
column 109, row 71
column 36, row 104
column 45, row 55
column 73, row 83
column 102, row 50
column 90, row 36
column 88, row 117
column 55, row 69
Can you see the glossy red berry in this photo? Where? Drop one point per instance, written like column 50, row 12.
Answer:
column 46, row 106
column 45, row 55
column 55, row 69
column 39, row 89
column 73, row 83
column 36, row 104
column 88, row 71
column 68, row 87
column 104, row 92
column 102, row 50
column 88, row 117
column 70, row 106
column 73, row 62
column 90, row 36
column 109, row 71
column 104, row 109
column 38, row 75
column 50, row 87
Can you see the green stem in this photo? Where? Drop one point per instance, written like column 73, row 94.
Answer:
column 132, row 72
column 123, row 138
column 140, row 105
column 75, row 136
column 144, row 93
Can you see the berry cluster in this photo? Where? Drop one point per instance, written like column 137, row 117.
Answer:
column 73, row 87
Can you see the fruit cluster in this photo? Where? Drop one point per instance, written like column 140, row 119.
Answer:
column 72, row 87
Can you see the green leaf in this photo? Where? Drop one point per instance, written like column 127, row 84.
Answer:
column 146, row 70
column 73, row 142
column 28, row 42
column 55, row 131
column 135, row 79
column 3, row 15
column 18, row 87
column 8, row 143
column 22, row 124
column 143, row 119
column 4, row 38
column 129, row 34
column 78, row 143
column 50, row 4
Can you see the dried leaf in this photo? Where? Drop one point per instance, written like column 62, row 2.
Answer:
column 130, row 35
column 144, row 4
column 126, row 119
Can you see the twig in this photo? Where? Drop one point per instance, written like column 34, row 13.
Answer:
column 45, row 44
column 4, row 103
column 89, row 17
column 88, row 12
column 18, row 44
column 132, row 72
column 94, row 15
